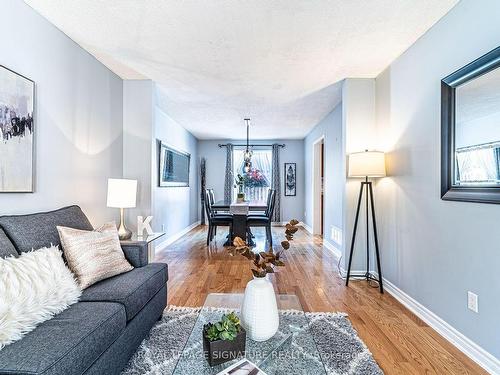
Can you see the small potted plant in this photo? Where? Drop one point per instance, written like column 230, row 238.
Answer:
column 224, row 340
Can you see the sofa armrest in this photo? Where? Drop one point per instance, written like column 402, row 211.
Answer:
column 136, row 252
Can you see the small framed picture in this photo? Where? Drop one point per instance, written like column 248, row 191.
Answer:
column 290, row 179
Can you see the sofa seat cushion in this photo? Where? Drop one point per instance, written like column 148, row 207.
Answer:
column 132, row 289
column 35, row 231
column 67, row 344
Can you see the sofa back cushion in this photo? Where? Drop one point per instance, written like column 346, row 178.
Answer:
column 35, row 231
column 6, row 247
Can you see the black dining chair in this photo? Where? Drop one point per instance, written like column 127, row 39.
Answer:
column 212, row 196
column 212, row 202
column 264, row 220
column 215, row 220
column 268, row 205
column 261, row 213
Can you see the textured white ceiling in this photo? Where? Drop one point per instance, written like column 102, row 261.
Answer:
column 217, row 62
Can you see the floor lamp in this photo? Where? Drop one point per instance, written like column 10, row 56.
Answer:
column 366, row 164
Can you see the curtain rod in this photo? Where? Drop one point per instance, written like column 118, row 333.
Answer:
column 479, row 146
column 251, row 145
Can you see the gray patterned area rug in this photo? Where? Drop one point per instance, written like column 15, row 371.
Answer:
column 337, row 343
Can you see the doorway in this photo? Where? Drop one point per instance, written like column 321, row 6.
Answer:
column 318, row 185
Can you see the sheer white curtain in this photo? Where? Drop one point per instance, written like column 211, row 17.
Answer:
column 477, row 165
column 258, row 180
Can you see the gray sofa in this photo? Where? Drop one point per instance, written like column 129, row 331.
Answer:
column 98, row 334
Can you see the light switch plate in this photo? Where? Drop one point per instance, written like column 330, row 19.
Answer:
column 472, row 302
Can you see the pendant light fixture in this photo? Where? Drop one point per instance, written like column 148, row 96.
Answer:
column 248, row 152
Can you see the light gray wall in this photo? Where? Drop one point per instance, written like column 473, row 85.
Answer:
column 138, row 146
column 78, row 116
column 359, row 127
column 437, row 250
column 334, row 180
column 291, row 207
column 174, row 207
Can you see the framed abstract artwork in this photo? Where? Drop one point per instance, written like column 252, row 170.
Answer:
column 17, row 97
column 173, row 167
column 290, row 179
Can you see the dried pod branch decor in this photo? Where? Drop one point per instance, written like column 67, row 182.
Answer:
column 264, row 262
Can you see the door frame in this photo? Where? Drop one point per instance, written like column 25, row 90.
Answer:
column 316, row 190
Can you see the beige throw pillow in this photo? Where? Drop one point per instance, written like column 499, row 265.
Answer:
column 93, row 255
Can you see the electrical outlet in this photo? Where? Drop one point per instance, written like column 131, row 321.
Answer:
column 163, row 227
column 472, row 303
column 336, row 235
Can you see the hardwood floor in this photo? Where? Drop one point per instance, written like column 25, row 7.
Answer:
column 400, row 342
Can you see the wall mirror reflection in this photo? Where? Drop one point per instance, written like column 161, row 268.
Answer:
column 470, row 105
column 477, row 131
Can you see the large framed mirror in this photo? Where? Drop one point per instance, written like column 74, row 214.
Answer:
column 470, row 132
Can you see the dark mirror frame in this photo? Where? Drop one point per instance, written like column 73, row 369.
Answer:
column 481, row 66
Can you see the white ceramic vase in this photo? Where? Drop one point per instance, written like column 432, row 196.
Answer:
column 259, row 311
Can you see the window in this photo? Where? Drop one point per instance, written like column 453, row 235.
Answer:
column 258, row 179
column 478, row 164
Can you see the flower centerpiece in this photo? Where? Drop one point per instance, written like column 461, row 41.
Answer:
column 255, row 183
column 255, row 178
column 224, row 340
column 259, row 311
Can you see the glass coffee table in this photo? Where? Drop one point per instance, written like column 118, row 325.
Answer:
column 291, row 350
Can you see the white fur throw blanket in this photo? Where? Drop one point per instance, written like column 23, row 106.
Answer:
column 33, row 288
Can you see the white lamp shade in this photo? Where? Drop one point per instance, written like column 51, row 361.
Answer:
column 122, row 193
column 367, row 164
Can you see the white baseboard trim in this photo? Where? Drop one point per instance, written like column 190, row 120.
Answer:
column 484, row 359
column 307, row 227
column 335, row 251
column 343, row 271
column 162, row 245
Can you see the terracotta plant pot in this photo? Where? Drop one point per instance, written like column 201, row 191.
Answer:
column 220, row 351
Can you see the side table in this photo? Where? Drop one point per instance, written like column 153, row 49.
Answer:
column 148, row 239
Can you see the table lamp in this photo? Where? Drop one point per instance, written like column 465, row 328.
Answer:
column 366, row 164
column 122, row 194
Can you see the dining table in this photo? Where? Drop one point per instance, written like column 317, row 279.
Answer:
column 239, row 228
